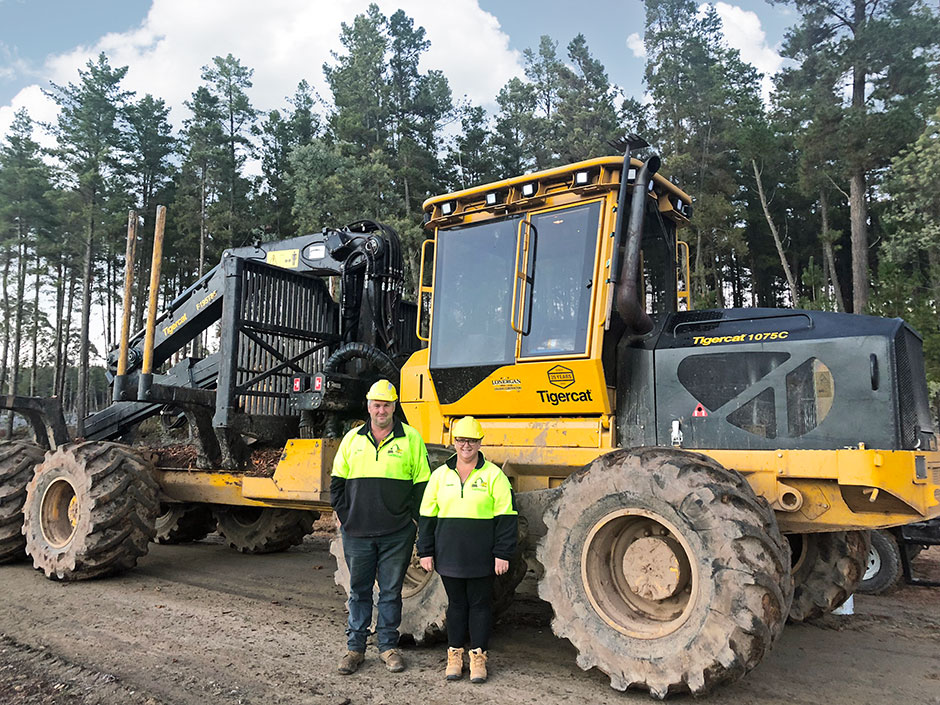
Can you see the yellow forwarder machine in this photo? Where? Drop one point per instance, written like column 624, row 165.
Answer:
column 686, row 479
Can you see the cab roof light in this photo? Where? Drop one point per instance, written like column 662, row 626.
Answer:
column 448, row 207
column 493, row 198
column 528, row 190
column 581, row 178
column 631, row 174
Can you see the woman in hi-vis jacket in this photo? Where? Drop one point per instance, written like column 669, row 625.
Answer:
column 467, row 532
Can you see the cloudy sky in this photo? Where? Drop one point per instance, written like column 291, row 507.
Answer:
column 477, row 43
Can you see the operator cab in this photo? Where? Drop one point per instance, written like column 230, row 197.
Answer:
column 517, row 282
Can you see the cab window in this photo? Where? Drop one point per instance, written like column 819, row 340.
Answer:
column 562, row 268
column 473, row 295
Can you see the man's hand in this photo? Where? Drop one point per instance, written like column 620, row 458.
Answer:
column 427, row 563
column 501, row 566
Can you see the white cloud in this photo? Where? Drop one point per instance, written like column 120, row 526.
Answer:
column 636, row 45
column 40, row 109
column 743, row 31
column 284, row 41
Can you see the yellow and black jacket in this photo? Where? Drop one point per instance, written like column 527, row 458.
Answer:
column 466, row 525
column 376, row 488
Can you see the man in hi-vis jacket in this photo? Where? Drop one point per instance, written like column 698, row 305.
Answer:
column 379, row 475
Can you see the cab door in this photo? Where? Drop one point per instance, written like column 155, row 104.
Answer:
column 514, row 315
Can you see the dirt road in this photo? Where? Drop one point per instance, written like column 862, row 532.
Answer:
column 203, row 624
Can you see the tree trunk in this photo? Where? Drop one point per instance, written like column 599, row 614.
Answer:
column 827, row 251
column 33, row 373
column 66, row 336
column 791, row 282
column 859, row 216
column 5, row 324
column 59, row 328
column 18, row 318
column 858, row 206
column 933, row 260
column 81, row 407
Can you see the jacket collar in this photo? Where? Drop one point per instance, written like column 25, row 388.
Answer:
column 398, row 429
column 451, row 462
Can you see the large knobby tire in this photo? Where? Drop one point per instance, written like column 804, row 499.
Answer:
column 827, row 568
column 883, row 571
column 90, row 511
column 184, row 523
column 664, row 570
column 17, row 462
column 423, row 598
column 263, row 529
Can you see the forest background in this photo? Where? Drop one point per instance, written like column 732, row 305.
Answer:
column 825, row 197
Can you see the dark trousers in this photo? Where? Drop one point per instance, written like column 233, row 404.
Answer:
column 469, row 609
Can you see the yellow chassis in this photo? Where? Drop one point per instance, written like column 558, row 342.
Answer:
column 810, row 490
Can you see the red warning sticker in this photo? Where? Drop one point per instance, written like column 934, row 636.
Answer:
column 699, row 412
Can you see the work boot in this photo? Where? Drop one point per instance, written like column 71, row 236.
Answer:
column 454, row 664
column 393, row 660
column 477, row 665
column 350, row 662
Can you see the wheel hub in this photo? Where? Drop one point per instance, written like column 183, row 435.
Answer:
column 58, row 513
column 637, row 574
column 874, row 564
column 654, row 569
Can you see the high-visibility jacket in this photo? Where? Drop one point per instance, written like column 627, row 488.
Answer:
column 465, row 525
column 376, row 488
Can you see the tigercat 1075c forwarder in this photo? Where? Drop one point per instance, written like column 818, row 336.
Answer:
column 686, row 480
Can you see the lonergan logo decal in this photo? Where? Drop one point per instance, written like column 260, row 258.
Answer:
column 561, row 376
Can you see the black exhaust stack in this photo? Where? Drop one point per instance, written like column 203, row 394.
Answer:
column 626, row 280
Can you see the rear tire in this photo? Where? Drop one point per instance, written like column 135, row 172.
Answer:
column 90, row 511
column 263, row 529
column 184, row 523
column 664, row 570
column 17, row 463
column 883, row 572
column 827, row 569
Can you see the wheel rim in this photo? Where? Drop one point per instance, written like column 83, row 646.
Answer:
column 636, row 572
column 416, row 577
column 58, row 513
column 874, row 564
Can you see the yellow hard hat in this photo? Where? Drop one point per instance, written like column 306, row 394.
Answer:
column 383, row 390
column 467, row 427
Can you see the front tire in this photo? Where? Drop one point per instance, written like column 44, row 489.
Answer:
column 664, row 570
column 90, row 511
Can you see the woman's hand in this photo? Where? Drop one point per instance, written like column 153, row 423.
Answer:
column 501, row 566
column 428, row 563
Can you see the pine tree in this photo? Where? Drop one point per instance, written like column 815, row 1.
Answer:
column 91, row 148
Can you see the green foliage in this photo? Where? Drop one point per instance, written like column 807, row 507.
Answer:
column 388, row 135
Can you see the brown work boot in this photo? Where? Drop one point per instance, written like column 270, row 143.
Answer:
column 454, row 664
column 350, row 662
column 393, row 660
column 477, row 665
